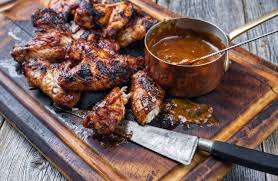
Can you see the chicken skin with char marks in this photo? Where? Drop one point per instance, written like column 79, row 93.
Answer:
column 50, row 43
column 110, row 17
column 99, row 71
column 50, row 46
column 146, row 98
column 76, row 48
column 47, row 20
column 120, row 15
column 135, row 30
column 43, row 75
column 107, row 114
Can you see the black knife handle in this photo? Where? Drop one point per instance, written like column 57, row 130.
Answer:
column 246, row 157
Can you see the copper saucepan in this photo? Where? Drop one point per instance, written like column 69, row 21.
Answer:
column 193, row 80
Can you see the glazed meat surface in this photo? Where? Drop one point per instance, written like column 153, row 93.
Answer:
column 135, row 30
column 50, row 46
column 84, row 14
column 113, row 20
column 99, row 71
column 43, row 75
column 120, row 15
column 110, row 17
column 107, row 114
column 50, row 43
column 146, row 98
column 48, row 19
column 76, row 48
column 65, row 7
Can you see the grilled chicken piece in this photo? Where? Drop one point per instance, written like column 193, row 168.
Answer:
column 47, row 20
column 119, row 17
column 111, row 17
column 65, row 7
column 135, row 30
column 146, row 98
column 94, row 37
column 50, row 46
column 85, row 14
column 100, row 70
column 107, row 114
column 50, row 43
column 109, row 45
column 114, row 20
column 43, row 75
column 82, row 11
column 79, row 50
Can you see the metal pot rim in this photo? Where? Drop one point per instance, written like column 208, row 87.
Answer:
column 180, row 65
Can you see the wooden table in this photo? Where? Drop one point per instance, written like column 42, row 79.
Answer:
column 20, row 161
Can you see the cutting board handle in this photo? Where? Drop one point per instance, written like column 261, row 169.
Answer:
column 246, row 157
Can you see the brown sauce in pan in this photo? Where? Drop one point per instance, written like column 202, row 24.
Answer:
column 185, row 47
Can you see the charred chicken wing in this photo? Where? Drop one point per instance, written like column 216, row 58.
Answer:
column 48, row 19
column 85, row 14
column 50, row 46
column 99, row 71
column 62, row 6
column 119, row 17
column 135, row 30
column 43, row 75
column 146, row 98
column 107, row 114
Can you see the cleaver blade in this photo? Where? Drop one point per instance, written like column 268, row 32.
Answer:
column 177, row 146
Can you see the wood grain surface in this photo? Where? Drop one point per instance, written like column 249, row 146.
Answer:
column 22, row 161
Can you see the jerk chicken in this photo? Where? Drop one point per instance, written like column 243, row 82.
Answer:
column 50, row 43
column 135, row 30
column 76, row 48
column 48, row 19
column 111, row 17
column 50, row 46
column 146, row 98
column 101, row 71
column 107, row 114
column 43, row 75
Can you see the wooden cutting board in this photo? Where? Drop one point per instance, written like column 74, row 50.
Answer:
column 245, row 103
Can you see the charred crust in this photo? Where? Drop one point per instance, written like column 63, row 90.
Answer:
column 35, row 66
column 85, row 72
column 98, row 14
column 85, row 35
column 117, row 72
column 86, row 7
column 102, row 68
column 67, row 77
column 148, row 84
column 147, row 102
column 119, row 69
column 43, row 18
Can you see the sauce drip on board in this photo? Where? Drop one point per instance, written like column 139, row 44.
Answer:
column 188, row 112
column 183, row 48
column 182, row 111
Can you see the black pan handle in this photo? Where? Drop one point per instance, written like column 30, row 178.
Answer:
column 242, row 156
